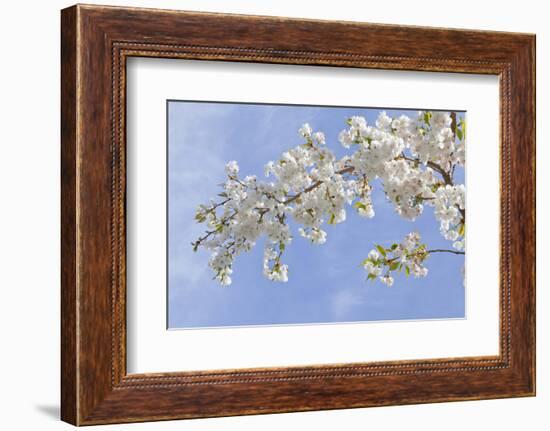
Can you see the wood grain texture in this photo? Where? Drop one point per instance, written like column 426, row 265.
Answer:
column 96, row 41
column 69, row 365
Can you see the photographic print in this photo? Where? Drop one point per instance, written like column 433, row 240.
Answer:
column 298, row 214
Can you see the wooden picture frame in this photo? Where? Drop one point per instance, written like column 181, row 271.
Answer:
column 95, row 43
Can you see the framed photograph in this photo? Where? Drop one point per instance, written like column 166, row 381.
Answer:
column 264, row 214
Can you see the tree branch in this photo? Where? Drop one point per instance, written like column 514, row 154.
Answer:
column 447, row 177
column 441, row 250
column 203, row 238
column 316, row 184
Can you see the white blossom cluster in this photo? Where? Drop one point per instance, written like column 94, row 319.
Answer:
column 407, row 257
column 449, row 211
column 414, row 159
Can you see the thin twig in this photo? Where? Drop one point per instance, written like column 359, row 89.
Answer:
column 441, row 250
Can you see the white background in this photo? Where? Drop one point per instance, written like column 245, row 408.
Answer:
column 152, row 349
column 29, row 220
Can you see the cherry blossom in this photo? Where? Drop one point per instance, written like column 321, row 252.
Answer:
column 414, row 159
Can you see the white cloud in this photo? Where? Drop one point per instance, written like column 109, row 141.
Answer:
column 344, row 301
column 196, row 166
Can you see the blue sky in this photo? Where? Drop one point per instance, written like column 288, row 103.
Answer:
column 326, row 283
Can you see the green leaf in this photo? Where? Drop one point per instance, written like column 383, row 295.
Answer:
column 407, row 271
column 371, row 277
column 394, row 266
column 462, row 229
column 332, row 218
column 427, row 116
column 360, row 205
column 459, row 134
column 381, row 249
column 394, row 246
